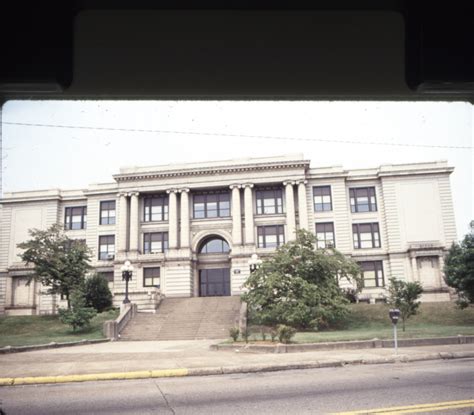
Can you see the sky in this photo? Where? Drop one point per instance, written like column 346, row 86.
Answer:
column 350, row 134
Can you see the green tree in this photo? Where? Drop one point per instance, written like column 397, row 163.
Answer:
column 60, row 263
column 97, row 293
column 299, row 286
column 459, row 270
column 78, row 315
column 404, row 296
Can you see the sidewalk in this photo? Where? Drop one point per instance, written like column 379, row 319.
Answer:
column 195, row 357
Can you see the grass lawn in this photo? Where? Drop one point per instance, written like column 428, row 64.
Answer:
column 28, row 330
column 366, row 322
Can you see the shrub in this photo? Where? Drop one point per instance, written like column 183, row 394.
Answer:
column 350, row 294
column 246, row 334
column 234, row 333
column 285, row 333
column 404, row 296
column 97, row 293
column 79, row 315
column 273, row 333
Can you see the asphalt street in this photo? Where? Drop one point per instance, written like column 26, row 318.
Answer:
column 431, row 387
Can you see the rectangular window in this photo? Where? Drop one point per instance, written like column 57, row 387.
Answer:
column 155, row 242
column 270, row 236
column 75, row 218
column 107, row 247
column 269, row 201
column 322, row 198
column 155, row 208
column 363, row 199
column 109, row 275
column 372, row 274
column 211, row 205
column 107, row 213
column 325, row 235
column 366, row 235
column 151, row 277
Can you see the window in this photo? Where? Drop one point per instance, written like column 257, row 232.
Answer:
column 372, row 274
column 107, row 247
column 211, row 205
column 156, row 208
column 107, row 213
column 270, row 236
column 366, row 235
column 155, row 242
column 363, row 199
column 269, row 201
column 322, row 198
column 214, row 246
column 75, row 217
column 109, row 275
column 151, row 277
column 325, row 235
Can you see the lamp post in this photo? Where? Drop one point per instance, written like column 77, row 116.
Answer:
column 254, row 263
column 127, row 272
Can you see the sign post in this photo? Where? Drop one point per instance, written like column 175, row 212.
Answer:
column 394, row 315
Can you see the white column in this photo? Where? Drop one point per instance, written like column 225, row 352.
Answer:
column 302, row 205
column 236, row 215
column 414, row 268
column 290, row 211
column 122, row 223
column 134, row 222
column 248, row 203
column 172, row 219
column 184, row 218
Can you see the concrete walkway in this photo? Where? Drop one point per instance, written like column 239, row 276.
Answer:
column 195, row 354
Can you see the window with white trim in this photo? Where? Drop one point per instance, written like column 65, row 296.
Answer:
column 366, row 235
column 106, row 247
column 270, row 236
column 325, row 235
column 155, row 242
column 322, row 198
column 372, row 274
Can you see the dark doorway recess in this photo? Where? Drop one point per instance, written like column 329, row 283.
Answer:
column 214, row 282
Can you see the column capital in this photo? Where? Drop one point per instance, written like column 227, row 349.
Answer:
column 122, row 194
column 302, row 181
column 289, row 183
column 249, row 185
column 134, row 194
column 183, row 190
column 172, row 191
column 235, row 186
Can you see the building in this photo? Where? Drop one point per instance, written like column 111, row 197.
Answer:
column 190, row 229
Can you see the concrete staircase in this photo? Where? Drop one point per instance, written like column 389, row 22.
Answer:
column 186, row 319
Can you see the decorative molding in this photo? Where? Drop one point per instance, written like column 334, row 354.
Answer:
column 304, row 164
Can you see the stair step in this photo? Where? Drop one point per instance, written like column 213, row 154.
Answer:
column 185, row 319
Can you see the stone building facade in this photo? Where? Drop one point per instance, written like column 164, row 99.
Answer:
column 190, row 229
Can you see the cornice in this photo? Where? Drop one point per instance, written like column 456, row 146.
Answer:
column 212, row 170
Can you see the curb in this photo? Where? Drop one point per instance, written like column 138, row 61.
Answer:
column 343, row 345
column 52, row 345
column 208, row 371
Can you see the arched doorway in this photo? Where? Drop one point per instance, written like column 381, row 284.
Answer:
column 213, row 267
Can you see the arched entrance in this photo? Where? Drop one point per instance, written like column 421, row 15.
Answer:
column 213, row 267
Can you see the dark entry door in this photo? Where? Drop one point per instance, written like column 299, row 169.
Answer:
column 214, row 282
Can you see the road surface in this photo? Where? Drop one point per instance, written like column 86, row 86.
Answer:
column 434, row 387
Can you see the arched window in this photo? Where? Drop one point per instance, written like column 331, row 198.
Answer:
column 214, row 245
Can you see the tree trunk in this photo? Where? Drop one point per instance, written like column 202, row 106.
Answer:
column 403, row 323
